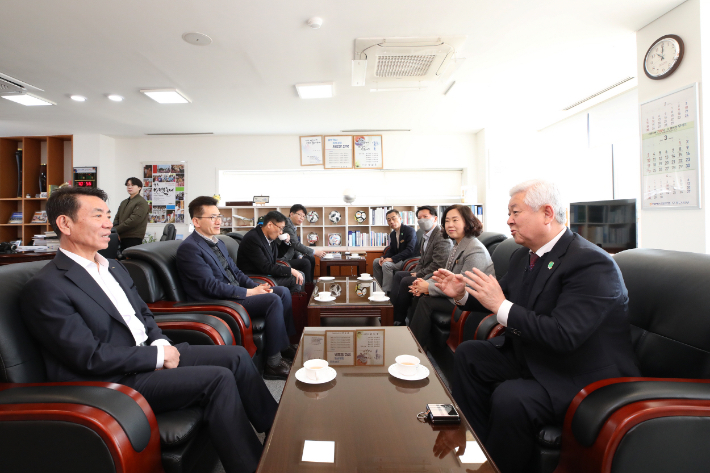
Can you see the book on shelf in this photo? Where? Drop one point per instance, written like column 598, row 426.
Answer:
column 40, row 217
column 16, row 217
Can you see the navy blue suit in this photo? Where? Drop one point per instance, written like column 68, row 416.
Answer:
column 84, row 338
column 404, row 248
column 203, row 278
column 568, row 327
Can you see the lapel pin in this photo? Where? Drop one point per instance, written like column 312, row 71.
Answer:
column 549, row 266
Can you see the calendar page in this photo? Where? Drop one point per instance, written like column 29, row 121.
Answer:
column 670, row 165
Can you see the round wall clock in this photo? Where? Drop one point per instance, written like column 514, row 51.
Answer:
column 663, row 57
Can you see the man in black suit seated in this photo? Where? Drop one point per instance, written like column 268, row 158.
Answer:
column 93, row 326
column 208, row 272
column 258, row 253
column 564, row 305
column 403, row 241
column 291, row 250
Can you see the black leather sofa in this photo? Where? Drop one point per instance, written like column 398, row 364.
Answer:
column 91, row 427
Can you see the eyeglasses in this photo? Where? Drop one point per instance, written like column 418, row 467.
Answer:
column 280, row 227
column 302, row 215
column 213, row 217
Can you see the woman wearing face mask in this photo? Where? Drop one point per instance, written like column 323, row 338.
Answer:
column 462, row 227
column 434, row 249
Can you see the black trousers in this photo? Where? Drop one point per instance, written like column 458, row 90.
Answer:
column 507, row 416
column 400, row 296
column 129, row 242
column 420, row 324
column 278, row 317
column 225, row 382
column 306, row 265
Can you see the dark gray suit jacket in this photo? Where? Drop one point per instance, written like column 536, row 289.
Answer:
column 294, row 248
column 436, row 254
column 83, row 336
column 469, row 254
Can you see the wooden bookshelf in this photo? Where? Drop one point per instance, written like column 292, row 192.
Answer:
column 36, row 151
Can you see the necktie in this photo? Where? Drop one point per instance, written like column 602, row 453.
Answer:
column 533, row 259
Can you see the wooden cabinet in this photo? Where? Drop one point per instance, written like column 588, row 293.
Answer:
column 36, row 151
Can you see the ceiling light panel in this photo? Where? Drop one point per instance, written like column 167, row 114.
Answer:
column 78, row 98
column 166, row 95
column 115, row 98
column 315, row 91
column 29, row 100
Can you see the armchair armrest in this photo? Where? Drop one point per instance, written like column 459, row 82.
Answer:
column 199, row 329
column 488, row 328
column 261, row 279
column 459, row 319
column 283, row 263
column 116, row 414
column 410, row 264
column 603, row 413
column 228, row 311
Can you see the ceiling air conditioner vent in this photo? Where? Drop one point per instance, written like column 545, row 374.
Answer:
column 403, row 66
column 405, row 63
column 10, row 88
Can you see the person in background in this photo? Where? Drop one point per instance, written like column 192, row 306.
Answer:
column 434, row 250
column 258, row 253
column 462, row 227
column 403, row 240
column 291, row 250
column 132, row 216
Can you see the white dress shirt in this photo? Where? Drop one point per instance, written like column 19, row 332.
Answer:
column 115, row 293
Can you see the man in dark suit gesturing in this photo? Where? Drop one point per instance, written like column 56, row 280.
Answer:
column 93, row 326
column 208, row 272
column 564, row 305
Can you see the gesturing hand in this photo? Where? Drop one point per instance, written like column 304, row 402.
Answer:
column 450, row 284
column 484, row 288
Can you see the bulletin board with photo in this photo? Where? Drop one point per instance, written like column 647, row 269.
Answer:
column 164, row 188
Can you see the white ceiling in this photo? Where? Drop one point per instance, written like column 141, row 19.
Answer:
column 524, row 59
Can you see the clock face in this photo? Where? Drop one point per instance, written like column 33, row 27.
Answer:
column 663, row 57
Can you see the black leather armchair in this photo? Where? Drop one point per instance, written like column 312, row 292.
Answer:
column 153, row 268
column 89, row 427
column 660, row 422
column 169, row 232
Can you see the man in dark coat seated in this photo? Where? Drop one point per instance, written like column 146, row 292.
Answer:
column 208, row 272
column 93, row 326
column 564, row 305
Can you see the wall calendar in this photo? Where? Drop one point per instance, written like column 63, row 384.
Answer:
column 670, row 161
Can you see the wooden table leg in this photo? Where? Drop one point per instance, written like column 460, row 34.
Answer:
column 387, row 315
column 314, row 317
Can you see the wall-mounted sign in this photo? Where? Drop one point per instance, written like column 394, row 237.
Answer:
column 85, row 176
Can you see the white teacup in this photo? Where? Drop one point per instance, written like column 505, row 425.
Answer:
column 407, row 364
column 323, row 296
column 365, row 276
column 354, row 255
column 283, row 236
column 378, row 295
column 317, row 369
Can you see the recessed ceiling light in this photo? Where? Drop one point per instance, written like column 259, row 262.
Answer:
column 315, row 22
column 166, row 95
column 315, row 91
column 29, row 100
column 78, row 98
column 115, row 98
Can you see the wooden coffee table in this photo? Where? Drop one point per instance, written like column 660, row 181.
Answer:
column 351, row 300
column 371, row 417
column 340, row 260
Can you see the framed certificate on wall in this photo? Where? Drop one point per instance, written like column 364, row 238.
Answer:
column 368, row 151
column 338, row 152
column 311, row 150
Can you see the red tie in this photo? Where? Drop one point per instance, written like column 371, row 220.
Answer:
column 533, row 259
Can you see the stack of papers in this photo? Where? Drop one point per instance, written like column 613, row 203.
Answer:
column 47, row 241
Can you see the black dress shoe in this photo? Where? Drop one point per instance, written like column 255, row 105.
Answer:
column 290, row 352
column 279, row 371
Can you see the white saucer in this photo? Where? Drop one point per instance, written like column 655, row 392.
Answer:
column 326, row 278
column 365, row 279
column 331, row 373
column 421, row 373
column 384, row 299
column 318, row 299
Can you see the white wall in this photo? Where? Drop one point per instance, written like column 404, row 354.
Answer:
column 562, row 153
column 120, row 158
column 684, row 230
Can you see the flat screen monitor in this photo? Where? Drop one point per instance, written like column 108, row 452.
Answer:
column 610, row 224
